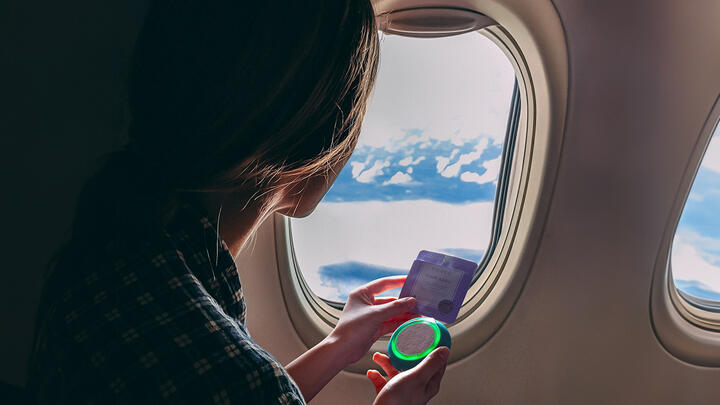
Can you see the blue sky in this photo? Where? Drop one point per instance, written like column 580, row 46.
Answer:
column 696, row 248
column 375, row 173
column 423, row 175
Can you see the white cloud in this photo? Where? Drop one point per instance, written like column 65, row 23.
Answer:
column 357, row 168
column 492, row 169
column 385, row 233
column 408, row 161
column 694, row 196
column 452, row 170
column 409, row 170
column 455, row 89
column 493, row 166
column 472, row 177
column 376, row 170
column 466, row 158
column 442, row 162
column 701, row 242
column 712, row 156
column 456, row 140
column 399, row 178
column 690, row 264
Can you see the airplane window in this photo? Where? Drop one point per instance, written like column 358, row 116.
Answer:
column 696, row 248
column 425, row 171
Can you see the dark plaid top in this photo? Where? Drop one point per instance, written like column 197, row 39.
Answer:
column 160, row 319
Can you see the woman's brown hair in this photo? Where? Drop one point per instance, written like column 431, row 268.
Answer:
column 228, row 93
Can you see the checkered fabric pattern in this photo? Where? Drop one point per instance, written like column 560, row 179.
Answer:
column 156, row 320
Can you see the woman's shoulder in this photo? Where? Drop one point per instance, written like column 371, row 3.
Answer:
column 141, row 323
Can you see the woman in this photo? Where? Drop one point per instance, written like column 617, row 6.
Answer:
column 239, row 110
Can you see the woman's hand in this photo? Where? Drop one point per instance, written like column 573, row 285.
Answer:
column 413, row 387
column 366, row 317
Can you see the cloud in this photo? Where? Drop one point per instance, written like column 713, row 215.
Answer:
column 702, row 242
column 694, row 196
column 442, row 162
column 408, row 161
column 689, row 263
column 493, row 166
column 366, row 176
column 697, row 289
column 388, row 234
column 706, row 248
column 472, row 177
column 428, row 90
column 338, row 279
column 357, row 168
column 376, row 170
column 492, row 169
column 712, row 156
column 399, row 178
column 474, row 255
column 466, row 158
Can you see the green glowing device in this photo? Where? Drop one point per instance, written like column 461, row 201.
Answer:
column 414, row 340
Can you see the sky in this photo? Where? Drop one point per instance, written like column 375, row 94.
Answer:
column 424, row 173
column 696, row 249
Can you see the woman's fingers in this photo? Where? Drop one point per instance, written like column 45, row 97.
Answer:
column 393, row 323
column 395, row 308
column 433, row 385
column 384, row 362
column 376, row 379
column 383, row 300
column 384, row 284
column 434, row 363
column 424, row 379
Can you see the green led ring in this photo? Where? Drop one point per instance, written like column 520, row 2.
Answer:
column 404, row 361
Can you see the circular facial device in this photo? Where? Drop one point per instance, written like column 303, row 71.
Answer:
column 414, row 340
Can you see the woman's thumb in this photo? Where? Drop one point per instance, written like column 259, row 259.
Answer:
column 433, row 364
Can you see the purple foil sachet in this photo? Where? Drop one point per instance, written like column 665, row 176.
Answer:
column 439, row 282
